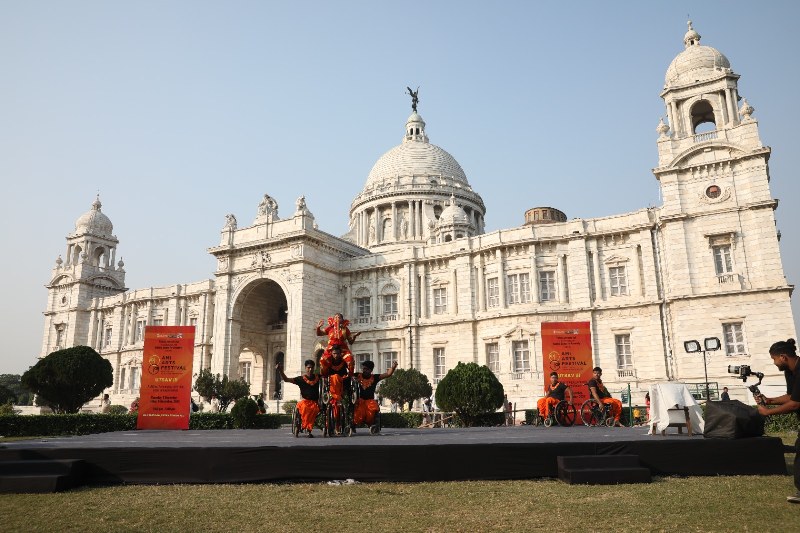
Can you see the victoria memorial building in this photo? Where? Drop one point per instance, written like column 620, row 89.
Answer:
column 426, row 286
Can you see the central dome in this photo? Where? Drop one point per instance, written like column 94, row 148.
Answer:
column 415, row 157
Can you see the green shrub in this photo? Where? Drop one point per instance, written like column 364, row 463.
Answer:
column 67, row 424
column 244, row 413
column 472, row 391
column 401, row 420
column 117, row 410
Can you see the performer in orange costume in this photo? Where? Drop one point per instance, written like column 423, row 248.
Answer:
column 366, row 406
column 309, row 390
column 600, row 393
column 338, row 335
column 337, row 370
column 554, row 393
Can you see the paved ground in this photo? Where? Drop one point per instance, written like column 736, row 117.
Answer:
column 389, row 436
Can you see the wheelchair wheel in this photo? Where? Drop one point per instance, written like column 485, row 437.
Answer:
column 590, row 414
column 296, row 422
column 548, row 421
column 609, row 421
column 375, row 428
column 565, row 413
column 330, row 422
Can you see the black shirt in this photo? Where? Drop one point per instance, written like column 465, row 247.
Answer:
column 309, row 390
column 367, row 386
column 793, row 384
column 558, row 392
column 602, row 391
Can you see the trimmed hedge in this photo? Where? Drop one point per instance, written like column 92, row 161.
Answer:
column 88, row 423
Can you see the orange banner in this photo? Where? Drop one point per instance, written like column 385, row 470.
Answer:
column 166, row 378
column 567, row 349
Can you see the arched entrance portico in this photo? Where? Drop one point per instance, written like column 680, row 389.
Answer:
column 259, row 314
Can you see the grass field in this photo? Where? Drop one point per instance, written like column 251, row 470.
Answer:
column 746, row 503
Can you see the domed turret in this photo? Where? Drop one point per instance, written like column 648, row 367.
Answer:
column 94, row 222
column 696, row 62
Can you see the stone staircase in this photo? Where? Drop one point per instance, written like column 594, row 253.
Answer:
column 41, row 475
column 602, row 469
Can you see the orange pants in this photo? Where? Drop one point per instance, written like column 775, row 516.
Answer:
column 309, row 409
column 545, row 404
column 616, row 407
column 335, row 386
column 365, row 412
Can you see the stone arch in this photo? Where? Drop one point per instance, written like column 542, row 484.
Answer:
column 259, row 323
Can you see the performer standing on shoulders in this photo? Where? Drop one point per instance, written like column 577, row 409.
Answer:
column 309, row 390
column 338, row 335
column 366, row 406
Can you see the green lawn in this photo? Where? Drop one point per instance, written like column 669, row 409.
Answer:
column 746, row 503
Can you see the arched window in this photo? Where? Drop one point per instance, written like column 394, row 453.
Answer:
column 703, row 117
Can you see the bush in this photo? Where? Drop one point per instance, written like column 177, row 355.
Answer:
column 784, row 423
column 401, row 420
column 69, row 424
column 405, row 386
column 7, row 409
column 288, row 406
column 471, row 391
column 117, row 410
column 244, row 413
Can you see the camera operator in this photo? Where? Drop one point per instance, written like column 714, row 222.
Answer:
column 784, row 355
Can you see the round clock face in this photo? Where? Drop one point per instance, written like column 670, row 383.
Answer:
column 713, row 191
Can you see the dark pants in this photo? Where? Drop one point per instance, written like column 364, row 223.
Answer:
column 797, row 463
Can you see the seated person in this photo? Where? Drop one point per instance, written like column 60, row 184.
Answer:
column 338, row 334
column 554, row 393
column 600, row 393
column 366, row 406
column 309, row 390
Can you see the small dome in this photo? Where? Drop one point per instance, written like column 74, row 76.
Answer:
column 453, row 215
column 696, row 62
column 94, row 222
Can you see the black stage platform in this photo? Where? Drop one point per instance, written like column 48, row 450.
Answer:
column 242, row 456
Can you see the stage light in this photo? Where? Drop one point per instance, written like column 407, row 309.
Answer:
column 691, row 346
column 711, row 344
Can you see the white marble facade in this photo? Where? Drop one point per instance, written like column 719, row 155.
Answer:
column 427, row 286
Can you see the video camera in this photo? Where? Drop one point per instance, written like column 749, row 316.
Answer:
column 743, row 371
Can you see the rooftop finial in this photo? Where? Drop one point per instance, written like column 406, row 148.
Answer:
column 414, row 98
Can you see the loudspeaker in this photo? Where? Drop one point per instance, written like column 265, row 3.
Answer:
column 732, row 420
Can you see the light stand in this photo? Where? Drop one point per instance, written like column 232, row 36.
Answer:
column 710, row 344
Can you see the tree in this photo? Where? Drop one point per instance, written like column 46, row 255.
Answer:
column 405, row 386
column 6, row 395
column 471, row 391
column 225, row 389
column 14, row 385
column 66, row 379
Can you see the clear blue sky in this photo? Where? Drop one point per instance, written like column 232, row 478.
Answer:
column 180, row 112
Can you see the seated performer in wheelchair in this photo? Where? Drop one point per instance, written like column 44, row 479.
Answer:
column 554, row 393
column 336, row 370
column 366, row 406
column 309, row 383
column 600, row 394
column 338, row 334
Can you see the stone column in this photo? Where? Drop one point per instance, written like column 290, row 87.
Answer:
column 481, row 284
column 394, row 221
column 501, row 279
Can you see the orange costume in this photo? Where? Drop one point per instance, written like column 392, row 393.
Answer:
column 309, row 405
column 366, row 406
column 338, row 335
column 605, row 397
column 554, row 394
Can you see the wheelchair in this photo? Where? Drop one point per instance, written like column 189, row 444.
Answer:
column 338, row 415
column 595, row 414
column 296, row 422
column 563, row 414
column 355, row 395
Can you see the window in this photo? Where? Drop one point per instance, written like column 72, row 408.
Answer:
column 492, row 293
column 439, row 301
column 360, row 358
column 60, row 334
column 193, row 321
column 139, row 332
column 134, row 378
column 619, row 281
column 107, row 335
column 493, row 357
column 363, row 306
column 389, row 304
column 734, row 338
column 722, row 259
column 244, row 371
column 547, row 285
column 624, row 357
column 522, row 360
column 439, row 365
column 518, row 288
column 387, row 358
column 158, row 322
